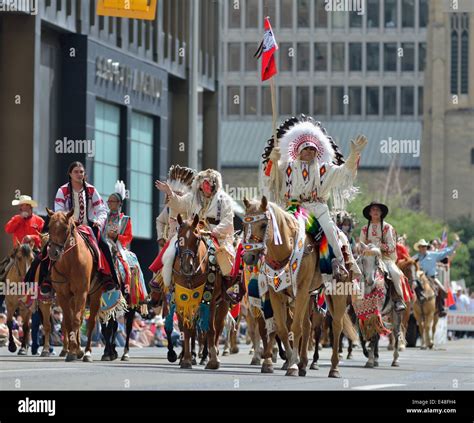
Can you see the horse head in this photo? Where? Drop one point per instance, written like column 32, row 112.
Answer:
column 256, row 221
column 22, row 256
column 369, row 263
column 189, row 240
column 61, row 225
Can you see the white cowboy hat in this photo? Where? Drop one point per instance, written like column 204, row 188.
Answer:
column 24, row 199
column 421, row 243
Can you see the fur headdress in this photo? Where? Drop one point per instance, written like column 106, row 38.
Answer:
column 180, row 178
column 213, row 177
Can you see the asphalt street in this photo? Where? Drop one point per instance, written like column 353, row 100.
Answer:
column 449, row 367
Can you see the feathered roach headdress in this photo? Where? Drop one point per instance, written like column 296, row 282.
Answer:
column 303, row 131
column 180, row 178
column 120, row 191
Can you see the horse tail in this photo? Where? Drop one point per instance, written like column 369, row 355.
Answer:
column 348, row 328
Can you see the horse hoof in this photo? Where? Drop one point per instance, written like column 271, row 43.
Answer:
column 80, row 354
column 234, row 350
column 255, row 362
column 349, row 357
column 285, row 366
column 334, row 373
column 45, row 353
column 225, row 353
column 172, row 356
column 203, row 362
column 114, row 356
column 22, row 351
column 292, row 372
column 302, row 372
column 125, row 357
column 87, row 358
column 369, row 365
column 212, row 365
column 376, row 363
column 63, row 353
column 395, row 364
column 267, row 368
column 12, row 347
column 252, row 351
column 106, row 358
column 194, row 361
column 314, row 366
column 431, row 346
column 423, row 348
column 186, row 365
column 71, row 357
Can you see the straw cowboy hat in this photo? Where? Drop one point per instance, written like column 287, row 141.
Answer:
column 382, row 207
column 421, row 243
column 24, row 199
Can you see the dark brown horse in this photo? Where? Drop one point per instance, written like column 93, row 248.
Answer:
column 191, row 272
column 74, row 277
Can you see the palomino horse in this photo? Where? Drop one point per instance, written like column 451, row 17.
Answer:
column 375, row 305
column 22, row 257
column 425, row 311
column 194, row 281
column 74, row 277
column 261, row 222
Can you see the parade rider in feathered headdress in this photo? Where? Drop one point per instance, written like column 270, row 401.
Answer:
column 306, row 169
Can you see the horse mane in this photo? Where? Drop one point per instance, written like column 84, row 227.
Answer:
column 283, row 216
column 406, row 262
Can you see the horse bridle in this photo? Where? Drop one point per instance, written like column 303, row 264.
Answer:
column 186, row 253
column 62, row 247
column 258, row 244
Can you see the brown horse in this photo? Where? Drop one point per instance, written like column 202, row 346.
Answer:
column 74, row 277
column 191, row 273
column 22, row 256
column 259, row 228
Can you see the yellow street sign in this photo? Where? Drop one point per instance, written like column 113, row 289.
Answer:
column 135, row 9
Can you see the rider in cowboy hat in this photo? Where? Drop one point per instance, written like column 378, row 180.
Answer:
column 25, row 226
column 427, row 261
column 383, row 236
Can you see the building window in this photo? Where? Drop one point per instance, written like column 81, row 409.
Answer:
column 355, row 100
column 233, row 100
column 420, row 101
column 338, row 57
column 270, row 10
column 408, row 59
column 319, row 101
column 303, row 57
column 373, row 56
column 390, row 57
column 320, row 57
column 286, row 57
column 408, row 13
column 234, row 13
column 390, row 13
column 141, row 174
column 302, row 100
column 355, row 57
column 337, row 101
column 286, row 101
column 286, row 13
column 266, row 101
column 355, row 20
column 389, row 101
column 250, row 100
column 459, row 53
column 303, row 13
column 421, row 56
column 472, row 156
column 233, row 62
column 251, row 14
column 372, row 100
column 338, row 19
column 373, row 13
column 251, row 63
column 407, row 101
column 423, row 13
column 107, row 147
column 320, row 14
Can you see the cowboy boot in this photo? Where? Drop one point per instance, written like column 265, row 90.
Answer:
column 46, row 289
column 398, row 301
